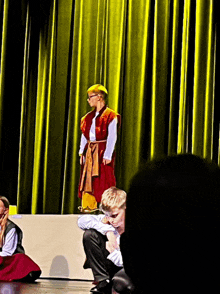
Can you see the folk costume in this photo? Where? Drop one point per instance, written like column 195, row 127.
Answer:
column 99, row 135
column 14, row 263
column 12, row 240
column 95, row 176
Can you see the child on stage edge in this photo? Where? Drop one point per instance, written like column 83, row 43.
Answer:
column 102, row 237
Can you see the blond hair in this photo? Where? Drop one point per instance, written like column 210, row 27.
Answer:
column 4, row 219
column 98, row 88
column 113, row 198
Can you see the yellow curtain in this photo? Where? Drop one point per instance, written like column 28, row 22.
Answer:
column 44, row 108
column 204, row 79
column 158, row 60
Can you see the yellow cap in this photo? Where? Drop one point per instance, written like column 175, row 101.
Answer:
column 97, row 88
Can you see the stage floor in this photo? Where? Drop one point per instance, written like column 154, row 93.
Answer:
column 50, row 286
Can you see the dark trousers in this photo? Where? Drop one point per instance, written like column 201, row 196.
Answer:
column 96, row 253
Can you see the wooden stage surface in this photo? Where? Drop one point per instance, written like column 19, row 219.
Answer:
column 50, row 286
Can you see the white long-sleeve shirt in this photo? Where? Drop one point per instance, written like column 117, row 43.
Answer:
column 86, row 222
column 111, row 139
column 10, row 243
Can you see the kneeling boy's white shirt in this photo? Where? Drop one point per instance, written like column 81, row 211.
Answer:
column 86, row 222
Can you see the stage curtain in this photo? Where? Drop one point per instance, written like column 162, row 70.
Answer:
column 158, row 60
column 44, row 108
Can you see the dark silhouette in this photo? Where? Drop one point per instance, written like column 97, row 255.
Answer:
column 171, row 242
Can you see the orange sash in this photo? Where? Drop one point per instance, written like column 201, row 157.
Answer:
column 91, row 167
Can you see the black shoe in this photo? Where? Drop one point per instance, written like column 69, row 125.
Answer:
column 103, row 287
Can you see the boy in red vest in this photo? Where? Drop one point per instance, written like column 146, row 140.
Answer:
column 97, row 156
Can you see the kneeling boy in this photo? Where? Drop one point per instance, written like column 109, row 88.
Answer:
column 101, row 238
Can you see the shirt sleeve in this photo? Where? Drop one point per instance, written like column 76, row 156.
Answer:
column 116, row 257
column 83, row 142
column 111, row 139
column 86, row 222
column 10, row 243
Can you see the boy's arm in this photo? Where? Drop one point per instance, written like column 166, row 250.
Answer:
column 112, row 243
column 111, row 139
column 86, row 222
column 116, row 257
column 115, row 254
column 83, row 142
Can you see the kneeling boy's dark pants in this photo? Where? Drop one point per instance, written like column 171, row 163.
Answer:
column 96, row 253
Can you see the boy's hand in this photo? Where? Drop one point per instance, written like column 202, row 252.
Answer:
column 81, row 160
column 105, row 221
column 111, row 244
column 106, row 161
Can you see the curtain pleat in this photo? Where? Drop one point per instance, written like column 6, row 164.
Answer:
column 183, row 122
column 25, row 158
column 160, row 78
column 159, row 62
column 204, row 32
column 177, row 25
column 210, row 86
column 4, row 25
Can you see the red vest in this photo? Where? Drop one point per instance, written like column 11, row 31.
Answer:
column 106, row 115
